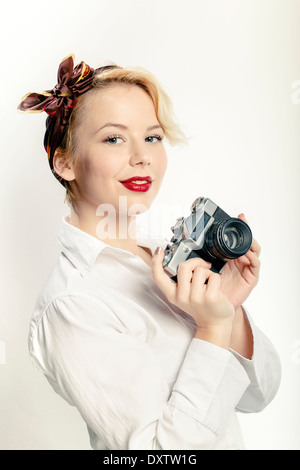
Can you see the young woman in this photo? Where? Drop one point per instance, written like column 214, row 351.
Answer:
column 149, row 363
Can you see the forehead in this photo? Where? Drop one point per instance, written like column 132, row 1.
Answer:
column 119, row 100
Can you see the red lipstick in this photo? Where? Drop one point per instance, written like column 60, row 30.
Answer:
column 138, row 183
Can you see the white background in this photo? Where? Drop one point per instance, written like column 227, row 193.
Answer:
column 229, row 67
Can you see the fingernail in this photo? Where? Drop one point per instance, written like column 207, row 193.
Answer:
column 158, row 250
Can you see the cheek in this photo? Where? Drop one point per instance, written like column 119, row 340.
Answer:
column 98, row 168
column 163, row 163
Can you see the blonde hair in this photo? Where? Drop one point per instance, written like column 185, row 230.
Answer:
column 137, row 76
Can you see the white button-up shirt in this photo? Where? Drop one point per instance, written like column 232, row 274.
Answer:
column 111, row 344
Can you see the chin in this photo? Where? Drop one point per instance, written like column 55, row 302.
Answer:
column 138, row 207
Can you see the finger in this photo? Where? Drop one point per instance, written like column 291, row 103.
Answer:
column 198, row 286
column 242, row 217
column 254, row 265
column 240, row 262
column 214, row 283
column 255, row 247
column 192, row 263
column 184, row 277
column 160, row 277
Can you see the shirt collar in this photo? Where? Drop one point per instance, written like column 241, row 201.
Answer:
column 83, row 249
column 79, row 247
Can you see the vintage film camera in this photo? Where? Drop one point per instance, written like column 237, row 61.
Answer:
column 208, row 233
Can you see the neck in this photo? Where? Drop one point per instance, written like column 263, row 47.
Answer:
column 115, row 228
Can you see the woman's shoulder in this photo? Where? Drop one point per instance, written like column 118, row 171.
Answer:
column 64, row 304
column 63, row 284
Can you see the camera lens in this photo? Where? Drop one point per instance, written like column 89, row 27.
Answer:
column 233, row 237
column 229, row 239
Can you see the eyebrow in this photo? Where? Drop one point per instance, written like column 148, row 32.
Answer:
column 121, row 126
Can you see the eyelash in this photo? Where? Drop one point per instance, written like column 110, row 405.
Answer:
column 115, row 136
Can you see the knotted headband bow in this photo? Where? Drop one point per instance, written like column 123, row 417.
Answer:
column 59, row 102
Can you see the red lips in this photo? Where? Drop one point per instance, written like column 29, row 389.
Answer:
column 138, row 183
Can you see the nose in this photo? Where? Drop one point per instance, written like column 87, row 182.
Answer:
column 140, row 154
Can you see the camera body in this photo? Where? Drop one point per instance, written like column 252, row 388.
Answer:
column 208, row 233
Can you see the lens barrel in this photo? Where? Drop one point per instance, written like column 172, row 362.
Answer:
column 228, row 239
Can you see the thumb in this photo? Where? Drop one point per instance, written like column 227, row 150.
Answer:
column 160, row 276
column 157, row 259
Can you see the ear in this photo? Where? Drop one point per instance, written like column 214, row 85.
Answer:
column 63, row 169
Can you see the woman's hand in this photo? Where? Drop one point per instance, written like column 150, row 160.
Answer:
column 198, row 292
column 240, row 276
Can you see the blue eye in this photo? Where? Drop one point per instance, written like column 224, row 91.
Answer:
column 112, row 139
column 158, row 137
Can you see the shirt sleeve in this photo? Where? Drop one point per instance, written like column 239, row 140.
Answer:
column 116, row 382
column 263, row 370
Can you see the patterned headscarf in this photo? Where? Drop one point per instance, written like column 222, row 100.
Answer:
column 59, row 102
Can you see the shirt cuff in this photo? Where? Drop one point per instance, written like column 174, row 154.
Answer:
column 263, row 370
column 253, row 367
column 210, row 384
